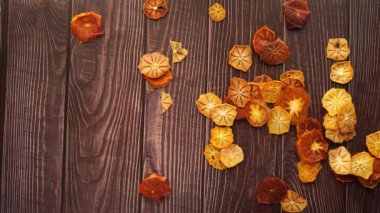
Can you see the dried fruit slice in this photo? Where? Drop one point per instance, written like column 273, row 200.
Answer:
column 340, row 160
column 293, row 83
column 271, row 190
column 347, row 118
column 223, row 114
column 362, row 165
column 239, row 91
column 207, row 102
column 294, row 74
column 293, row 202
column 330, row 122
column 155, row 9
column 240, row 57
column 255, row 91
column 262, row 36
column 296, row 13
column 270, row 90
column 232, row 155
column 337, row 49
column 87, row 26
column 312, row 147
column 242, row 112
column 166, row 101
column 337, row 136
column 342, row 72
column 212, row 155
column 221, row 137
column 369, row 184
column 296, row 102
column 373, row 143
column 335, row 99
column 154, row 65
column 307, row 125
column 279, row 121
column 217, row 12
column 259, row 113
column 275, row 52
column 262, row 79
column 161, row 81
column 155, row 187
column 179, row 53
column 344, row 178
column 376, row 171
column 308, row 173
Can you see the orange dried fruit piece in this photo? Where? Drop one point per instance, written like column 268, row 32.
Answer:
column 369, row 184
column 337, row 136
column 342, row 72
column 340, row 160
column 87, row 26
column 155, row 9
column 259, row 113
column 294, row 74
column 279, row 121
column 232, row 155
column 296, row 13
column 154, row 65
column 262, row 36
column 293, row 202
column 213, row 156
column 161, row 81
column 335, row 99
column 166, row 101
column 312, row 147
column 308, row 173
column 271, row 190
column 262, row 79
column 179, row 53
column 337, row 49
column 330, row 122
column 217, row 12
column 242, row 112
column 347, row 118
column 293, row 83
column 362, row 165
column 221, row 137
column 239, row 91
column 376, row 171
column 155, row 187
column 255, row 91
column 270, row 90
column 223, row 114
column 275, row 52
column 307, row 125
column 240, row 57
column 207, row 102
column 296, row 101
column 373, row 143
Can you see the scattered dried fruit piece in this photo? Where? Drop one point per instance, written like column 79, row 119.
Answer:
column 271, row 190
column 344, row 178
column 155, row 9
column 340, row 160
column 239, row 91
column 296, row 101
column 296, row 13
column 262, row 79
column 179, row 53
column 293, row 83
column 308, row 173
column 166, row 101
column 270, row 90
column 373, row 143
column 255, row 91
column 294, row 74
column 154, row 65
column 155, row 187
column 161, row 81
column 275, row 53
column 87, row 26
column 362, row 165
column 242, row 112
column 259, row 113
column 279, row 121
column 207, row 102
column 347, row 118
column 221, row 137
column 217, row 12
column 342, row 72
column 293, row 202
column 376, row 171
column 212, row 155
column 369, row 184
column 335, row 99
column 232, row 155
column 337, row 49
column 240, row 57
column 312, row 147
column 262, row 36
column 330, row 122
column 337, row 136
column 223, row 114
column 307, row 125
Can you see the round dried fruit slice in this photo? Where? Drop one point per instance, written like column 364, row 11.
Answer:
column 223, row 114
column 262, row 79
column 307, row 125
column 212, row 155
column 161, row 81
column 312, row 147
column 87, row 26
column 232, row 155
column 275, row 52
column 296, row 102
column 207, row 102
column 373, row 143
column 262, row 36
column 369, row 184
column 155, row 9
column 337, row 136
column 347, row 118
column 155, row 187
column 221, row 137
column 293, row 202
column 337, row 49
column 270, row 90
column 240, row 57
column 242, row 112
column 308, row 173
column 296, row 13
column 340, row 160
column 342, row 72
column 255, row 91
column 362, row 165
column 217, row 12
column 271, row 190
column 279, row 121
column 294, row 74
column 259, row 113
column 330, row 122
column 239, row 91
column 154, row 65
column 335, row 99
column 293, row 83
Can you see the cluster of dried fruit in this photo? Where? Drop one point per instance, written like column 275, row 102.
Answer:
column 273, row 190
column 296, row 13
column 87, row 26
column 155, row 187
column 342, row 71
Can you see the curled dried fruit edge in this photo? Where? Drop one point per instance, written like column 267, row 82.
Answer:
column 87, row 26
column 155, row 187
column 232, row 155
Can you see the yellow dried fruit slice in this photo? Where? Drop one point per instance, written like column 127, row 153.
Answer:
column 221, row 137
column 335, row 99
column 294, row 74
column 373, row 143
column 330, row 122
column 337, row 136
column 293, row 202
column 337, row 49
column 261, row 79
column 259, row 113
column 207, row 102
column 255, row 91
column 308, row 173
column 340, row 160
column 166, row 101
column 279, row 121
column 342, row 72
column 213, row 156
column 239, row 91
column 179, row 53
column 232, row 155
column 217, row 12
column 223, row 114
column 154, row 65
column 347, row 118
column 362, row 165
column 270, row 90
column 240, row 57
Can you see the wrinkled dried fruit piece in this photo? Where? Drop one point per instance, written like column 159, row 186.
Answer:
column 373, row 143
column 308, row 173
column 87, row 26
column 342, row 72
column 330, row 122
column 242, row 112
column 275, row 52
column 307, row 125
column 293, row 83
column 344, row 178
column 294, row 74
column 337, row 49
column 166, row 101
column 255, row 91
column 240, row 57
column 155, row 187
column 362, row 165
column 347, row 118
column 270, row 90
column 259, row 113
column 179, row 53
column 262, row 36
column 262, row 79
column 217, row 12
column 212, row 155
column 279, row 121
column 296, row 102
column 293, row 202
column 376, row 171
column 223, row 114
column 296, row 13
column 369, row 184
column 207, row 102
column 340, row 160
column 271, row 190
column 231, row 156
column 161, row 81
column 155, row 9
column 337, row 136
column 221, row 137
column 312, row 147
column 335, row 99
column 154, row 65
column 239, row 91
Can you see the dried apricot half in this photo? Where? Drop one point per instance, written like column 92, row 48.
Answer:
column 262, row 36
column 179, row 53
column 207, row 102
column 373, row 143
column 223, row 114
column 342, row 72
column 347, row 118
column 279, row 121
column 275, row 52
column 337, row 136
column 231, row 155
column 308, row 173
column 155, row 9
column 270, row 90
column 312, row 147
column 217, row 12
column 155, row 187
column 294, row 74
column 296, row 101
column 296, row 13
column 307, row 125
column 166, row 101
column 259, row 113
column 330, row 122
column 271, row 190
column 87, row 26
column 221, row 137
column 337, row 49
column 340, row 160
column 154, row 65
column 212, row 155
column 239, row 91
column 161, row 81
column 240, row 57
column 293, row 202
column 362, row 165
column 335, row 99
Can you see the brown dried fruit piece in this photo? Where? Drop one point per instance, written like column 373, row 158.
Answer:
column 87, row 26
column 294, row 74
column 155, row 187
column 275, row 52
column 155, row 9
column 344, row 178
column 293, row 83
column 161, row 81
column 255, row 91
column 242, row 112
column 262, row 36
column 307, row 125
column 369, row 184
column 376, row 171
column 296, row 13
column 296, row 101
column 271, row 190
column 154, row 65
column 258, row 114
column 270, row 91
column 293, row 202
column 239, row 91
column 262, row 79
column 312, row 147
column 240, row 57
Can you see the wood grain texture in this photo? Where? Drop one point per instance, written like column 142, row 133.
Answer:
column 105, row 112
column 34, row 106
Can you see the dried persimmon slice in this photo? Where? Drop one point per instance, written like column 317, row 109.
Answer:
column 335, row 99
column 337, row 49
column 294, row 74
column 337, row 136
column 344, row 178
column 206, row 102
column 275, row 52
column 293, row 83
column 347, row 118
column 279, row 121
column 87, row 26
column 259, row 113
column 221, row 137
column 239, row 91
column 240, row 57
column 296, row 13
column 217, row 12
column 312, row 147
column 179, row 53
column 166, row 101
column 271, row 190
column 232, row 155
column 342, row 72
column 270, row 90
column 261, row 79
column 255, row 91
column 373, row 143
column 224, row 114
column 154, row 65
column 369, row 184
column 262, row 36
column 155, row 187
column 308, row 173
column 307, row 125
column 362, row 165
column 376, row 171
column 296, row 101
column 212, row 155
column 161, row 81
column 293, row 202
column 242, row 112
column 330, row 122
column 155, row 9
column 340, row 160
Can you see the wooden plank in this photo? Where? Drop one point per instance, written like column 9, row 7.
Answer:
column 34, row 106
column 105, row 111
column 174, row 141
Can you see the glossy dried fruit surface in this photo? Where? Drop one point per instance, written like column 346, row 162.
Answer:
column 294, row 74
column 308, row 173
column 337, row 49
column 223, row 114
column 179, row 53
column 239, row 91
column 312, row 147
column 262, row 37
column 342, row 72
column 161, row 81
column 296, row 102
column 155, row 9
column 213, row 156
column 155, row 187
column 347, row 118
column 293, row 202
column 87, row 26
column 166, row 101
column 330, row 122
column 217, row 12
column 337, row 136
column 373, row 143
column 207, row 102
column 232, row 155
column 259, row 113
column 362, row 165
column 154, row 65
column 275, row 52
column 221, row 137
column 335, row 99
column 340, row 160
column 240, row 57
column 279, row 121
column 271, row 190
column 270, row 90
column 296, row 13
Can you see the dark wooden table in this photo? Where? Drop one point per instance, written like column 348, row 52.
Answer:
column 80, row 127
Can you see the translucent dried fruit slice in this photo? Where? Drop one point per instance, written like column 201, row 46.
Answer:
column 294, row 74
column 376, row 171
column 279, row 121
column 217, row 12
column 223, row 114
column 212, row 155
column 262, row 36
column 335, row 99
column 155, row 9
column 155, row 187
column 270, row 90
column 307, row 125
column 239, row 91
column 255, row 91
column 293, row 202
column 337, row 49
column 154, row 65
column 373, row 143
column 344, row 178
column 166, row 101
column 293, row 83
column 347, row 118
column 330, row 122
column 207, row 102
column 262, row 79
column 179, row 53
column 240, row 57
column 275, row 52
column 337, row 136
column 271, row 190
column 369, row 184
column 232, row 155
column 340, row 160
column 296, row 13
column 362, row 165
column 259, row 113
column 308, row 173
column 221, row 137
column 342, row 72
column 87, row 26
column 312, row 147
column 242, row 112
column 296, row 101
column 161, row 81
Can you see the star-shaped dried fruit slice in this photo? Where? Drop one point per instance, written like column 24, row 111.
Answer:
column 240, row 57
column 340, row 160
column 312, row 147
column 155, row 9
column 224, row 114
column 213, row 156
column 232, row 155
column 239, row 91
column 342, row 72
column 347, row 118
column 221, row 137
column 296, row 13
column 155, row 187
column 296, row 101
column 337, row 49
column 217, row 12
column 87, row 26
column 259, row 113
column 275, row 52
column 373, row 143
column 207, row 102
column 154, row 65
column 335, row 99
column 179, row 53
column 308, row 173
column 271, row 190
column 166, row 101
column 293, row 202
column 362, row 165
column 279, row 121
